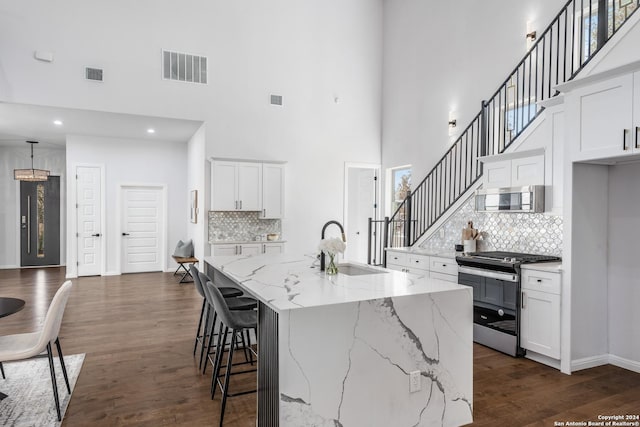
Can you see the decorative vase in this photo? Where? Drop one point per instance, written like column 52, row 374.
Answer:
column 332, row 268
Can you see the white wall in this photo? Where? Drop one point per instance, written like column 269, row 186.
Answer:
column 137, row 162
column 50, row 158
column 443, row 56
column 309, row 52
column 196, row 179
column 624, row 269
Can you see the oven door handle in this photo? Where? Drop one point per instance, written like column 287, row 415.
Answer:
column 508, row 277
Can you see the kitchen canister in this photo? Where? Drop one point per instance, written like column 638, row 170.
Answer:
column 469, row 245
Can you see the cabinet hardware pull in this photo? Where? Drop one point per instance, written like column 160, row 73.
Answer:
column 539, row 280
column 444, row 265
column 236, row 206
column 624, row 140
column 264, row 212
column 29, row 225
column 636, row 144
column 95, row 235
column 125, row 234
column 523, row 298
column 240, row 204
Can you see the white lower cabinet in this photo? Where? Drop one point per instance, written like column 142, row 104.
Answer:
column 272, row 248
column 443, row 269
column 540, row 313
column 432, row 266
column 225, row 249
column 408, row 263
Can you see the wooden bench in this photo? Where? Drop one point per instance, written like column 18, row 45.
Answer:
column 181, row 265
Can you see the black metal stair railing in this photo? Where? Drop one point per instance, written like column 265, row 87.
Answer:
column 558, row 54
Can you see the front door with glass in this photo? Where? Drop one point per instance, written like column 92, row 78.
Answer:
column 40, row 222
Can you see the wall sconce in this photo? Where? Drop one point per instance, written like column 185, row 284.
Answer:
column 531, row 35
column 452, row 122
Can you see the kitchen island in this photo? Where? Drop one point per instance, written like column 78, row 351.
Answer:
column 342, row 350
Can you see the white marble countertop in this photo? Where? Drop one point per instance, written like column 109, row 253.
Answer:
column 552, row 267
column 419, row 251
column 289, row 281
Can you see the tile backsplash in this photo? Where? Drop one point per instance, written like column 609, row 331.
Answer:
column 240, row 226
column 516, row 232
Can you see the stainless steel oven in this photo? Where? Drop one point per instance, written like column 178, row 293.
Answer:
column 495, row 279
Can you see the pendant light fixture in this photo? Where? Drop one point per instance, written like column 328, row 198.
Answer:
column 31, row 174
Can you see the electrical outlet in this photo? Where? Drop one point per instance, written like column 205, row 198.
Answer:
column 442, row 233
column 415, row 381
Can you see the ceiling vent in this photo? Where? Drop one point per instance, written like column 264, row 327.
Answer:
column 184, row 67
column 276, row 99
column 94, row 74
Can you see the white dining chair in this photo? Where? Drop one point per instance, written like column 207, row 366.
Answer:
column 28, row 345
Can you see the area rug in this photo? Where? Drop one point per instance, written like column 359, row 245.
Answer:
column 29, row 400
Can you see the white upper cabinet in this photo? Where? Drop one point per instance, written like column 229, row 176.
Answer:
column 250, row 186
column 514, row 169
column 223, row 176
column 236, row 186
column 604, row 118
column 272, row 191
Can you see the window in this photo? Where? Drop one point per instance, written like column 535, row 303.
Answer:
column 400, row 185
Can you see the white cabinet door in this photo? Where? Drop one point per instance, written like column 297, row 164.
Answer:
column 273, row 248
column 497, row 174
column 527, row 171
column 223, row 177
column 225, row 250
column 602, row 116
column 272, row 191
column 540, row 327
column 249, row 181
column 250, row 249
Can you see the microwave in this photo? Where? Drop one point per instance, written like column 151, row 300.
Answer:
column 513, row 199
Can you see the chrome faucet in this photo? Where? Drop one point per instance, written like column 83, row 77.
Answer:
column 324, row 227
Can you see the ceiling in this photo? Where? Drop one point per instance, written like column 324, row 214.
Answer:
column 21, row 122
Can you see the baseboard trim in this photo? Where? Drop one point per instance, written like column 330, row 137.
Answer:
column 9, row 267
column 621, row 362
column 605, row 359
column 589, row 362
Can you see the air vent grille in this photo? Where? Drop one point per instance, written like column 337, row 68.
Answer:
column 276, row 99
column 94, row 74
column 184, row 67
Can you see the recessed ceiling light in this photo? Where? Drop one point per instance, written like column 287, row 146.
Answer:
column 57, row 122
column 150, row 130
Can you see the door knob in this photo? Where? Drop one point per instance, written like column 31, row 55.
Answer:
column 95, row 235
column 125, row 234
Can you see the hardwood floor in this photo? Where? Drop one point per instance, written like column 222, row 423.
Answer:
column 137, row 332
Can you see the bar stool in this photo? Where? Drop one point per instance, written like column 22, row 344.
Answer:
column 228, row 292
column 233, row 322
column 234, row 303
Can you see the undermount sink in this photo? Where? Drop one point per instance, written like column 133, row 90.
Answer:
column 358, row 270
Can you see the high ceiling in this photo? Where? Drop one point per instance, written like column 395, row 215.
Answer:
column 20, row 122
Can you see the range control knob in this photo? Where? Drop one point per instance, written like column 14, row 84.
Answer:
column 501, row 312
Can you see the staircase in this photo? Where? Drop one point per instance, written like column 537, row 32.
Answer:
column 559, row 53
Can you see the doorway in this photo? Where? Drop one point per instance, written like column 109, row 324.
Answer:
column 360, row 204
column 40, row 222
column 143, row 228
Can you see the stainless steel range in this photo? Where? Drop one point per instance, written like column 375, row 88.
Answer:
column 495, row 278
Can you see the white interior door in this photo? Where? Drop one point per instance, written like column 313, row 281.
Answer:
column 89, row 220
column 142, row 229
column 360, row 206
